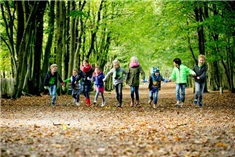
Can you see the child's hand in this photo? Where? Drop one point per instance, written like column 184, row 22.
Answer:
column 75, row 82
column 166, row 81
column 88, row 78
column 45, row 87
column 198, row 78
column 103, row 80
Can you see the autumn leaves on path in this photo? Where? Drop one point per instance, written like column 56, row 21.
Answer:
column 27, row 126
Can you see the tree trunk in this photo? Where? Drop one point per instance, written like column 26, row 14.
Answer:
column 72, row 42
column 38, row 48
column 59, row 37
column 23, row 50
column 48, row 50
column 9, row 31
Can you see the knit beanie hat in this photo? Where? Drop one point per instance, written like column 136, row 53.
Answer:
column 156, row 70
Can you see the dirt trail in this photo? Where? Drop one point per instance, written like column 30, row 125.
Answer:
column 27, row 126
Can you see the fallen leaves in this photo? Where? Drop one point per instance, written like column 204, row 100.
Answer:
column 31, row 127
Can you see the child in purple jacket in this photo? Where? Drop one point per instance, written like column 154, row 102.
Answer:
column 98, row 77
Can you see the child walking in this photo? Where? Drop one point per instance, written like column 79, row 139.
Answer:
column 75, row 86
column 117, row 72
column 155, row 86
column 98, row 77
column 50, row 81
column 200, row 79
column 133, row 80
column 86, row 76
column 179, row 74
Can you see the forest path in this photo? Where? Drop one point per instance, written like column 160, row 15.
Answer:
column 29, row 126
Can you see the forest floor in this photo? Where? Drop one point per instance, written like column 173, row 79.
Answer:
column 31, row 127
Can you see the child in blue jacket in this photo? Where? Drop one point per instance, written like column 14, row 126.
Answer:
column 98, row 77
column 154, row 86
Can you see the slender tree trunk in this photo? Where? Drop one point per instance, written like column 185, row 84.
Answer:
column 200, row 31
column 72, row 41
column 9, row 31
column 48, row 50
column 23, row 50
column 94, row 32
column 59, row 38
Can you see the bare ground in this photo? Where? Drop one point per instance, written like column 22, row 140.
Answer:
column 31, row 127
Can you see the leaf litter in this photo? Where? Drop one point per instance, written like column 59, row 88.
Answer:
column 31, row 127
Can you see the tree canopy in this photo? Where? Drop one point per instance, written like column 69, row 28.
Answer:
column 35, row 34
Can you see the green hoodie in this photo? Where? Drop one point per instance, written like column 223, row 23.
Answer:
column 180, row 74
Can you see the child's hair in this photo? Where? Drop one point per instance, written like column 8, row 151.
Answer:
column 116, row 62
column 86, row 60
column 97, row 67
column 134, row 59
column 202, row 56
column 75, row 70
column 53, row 65
column 177, row 61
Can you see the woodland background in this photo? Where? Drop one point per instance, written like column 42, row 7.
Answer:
column 35, row 34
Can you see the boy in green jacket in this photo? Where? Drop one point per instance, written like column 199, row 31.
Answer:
column 179, row 74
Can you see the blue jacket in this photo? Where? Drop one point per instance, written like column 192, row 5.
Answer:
column 98, row 79
column 155, row 81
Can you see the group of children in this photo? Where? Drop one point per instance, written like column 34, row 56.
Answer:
column 81, row 82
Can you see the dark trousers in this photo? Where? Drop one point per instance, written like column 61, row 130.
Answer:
column 118, row 90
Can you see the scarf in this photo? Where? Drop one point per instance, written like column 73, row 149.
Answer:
column 156, row 78
column 85, row 68
column 134, row 64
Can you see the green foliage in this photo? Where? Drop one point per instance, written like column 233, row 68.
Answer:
column 77, row 13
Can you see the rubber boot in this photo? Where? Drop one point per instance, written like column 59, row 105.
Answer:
column 132, row 103
column 88, row 103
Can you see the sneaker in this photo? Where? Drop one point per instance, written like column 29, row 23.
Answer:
column 177, row 104
column 52, row 104
column 94, row 102
column 103, row 103
column 154, row 106
column 77, row 104
column 195, row 102
column 119, row 105
column 200, row 104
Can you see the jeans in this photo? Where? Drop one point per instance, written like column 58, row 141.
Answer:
column 153, row 95
column 180, row 97
column 199, row 89
column 118, row 89
column 135, row 90
column 52, row 91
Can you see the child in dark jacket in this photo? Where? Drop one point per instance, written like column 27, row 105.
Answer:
column 75, row 86
column 200, row 79
column 86, row 76
column 154, row 86
column 50, row 81
column 98, row 77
